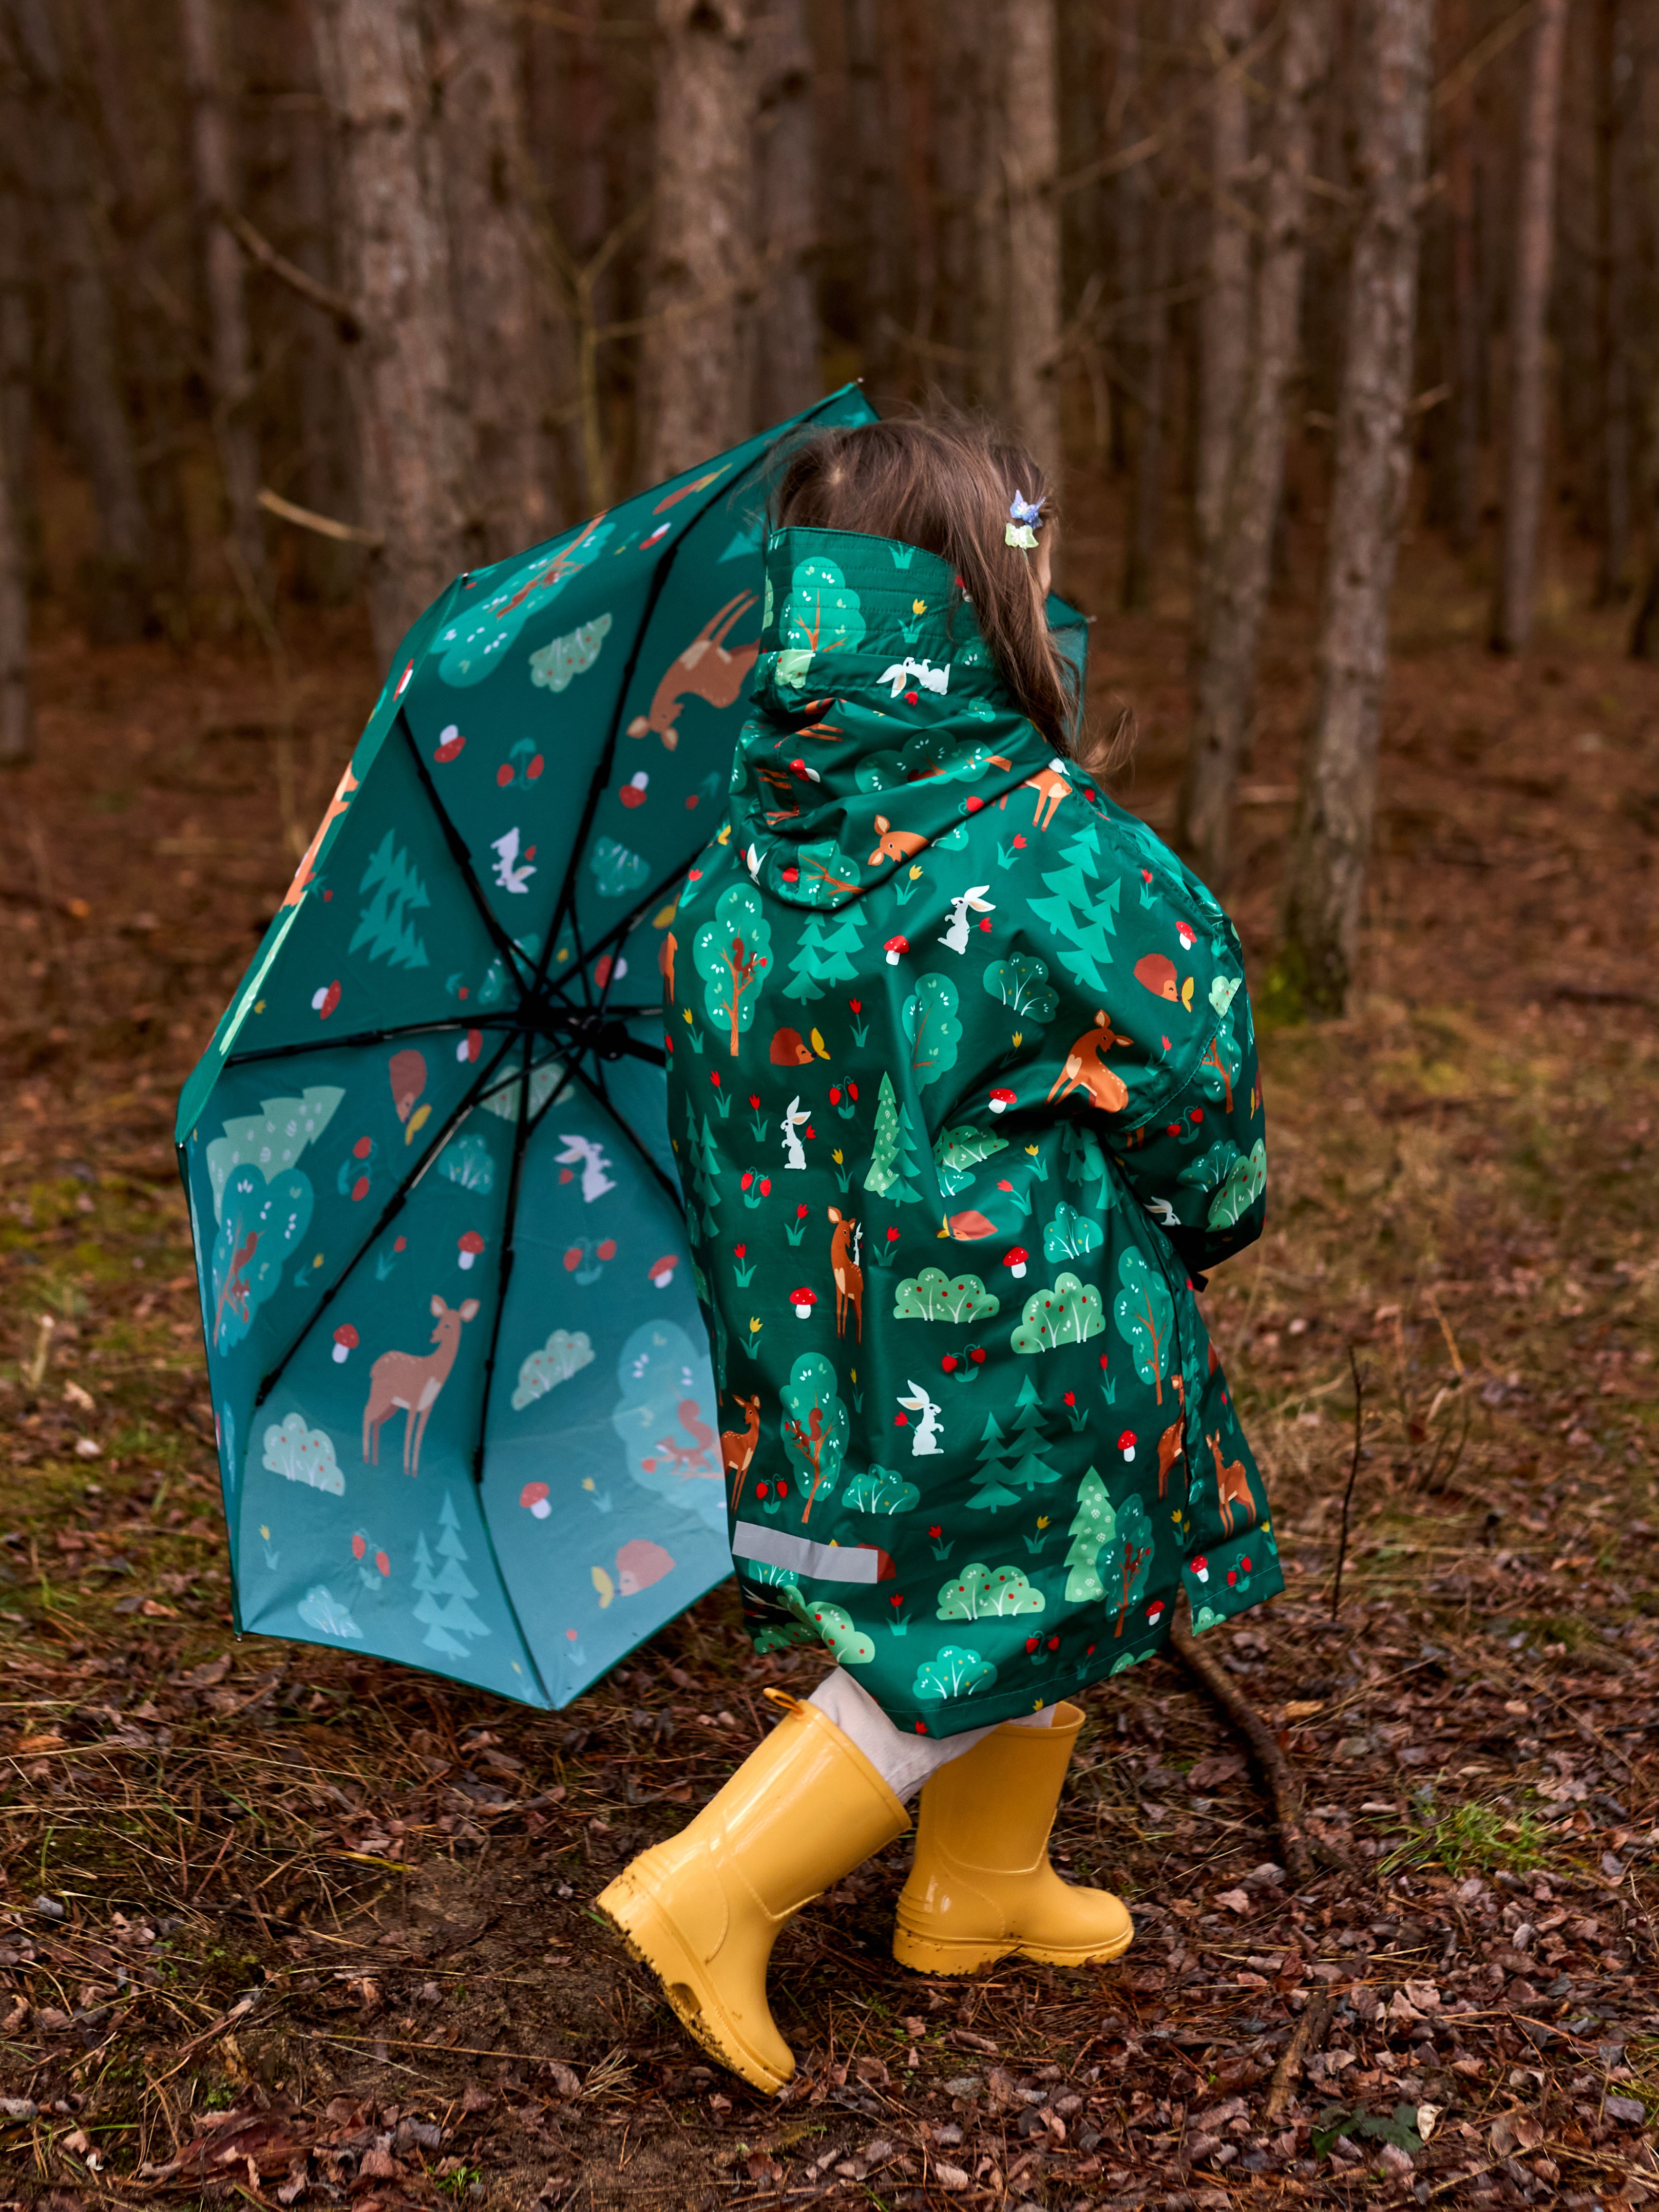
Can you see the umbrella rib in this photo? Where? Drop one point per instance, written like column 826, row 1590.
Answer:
column 368, row 1036
column 462, row 857
column 509, row 1223
column 389, row 1212
column 597, row 1092
column 601, row 774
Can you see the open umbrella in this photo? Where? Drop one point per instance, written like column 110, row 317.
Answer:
column 461, row 1388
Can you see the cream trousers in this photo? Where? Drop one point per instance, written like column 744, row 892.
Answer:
column 904, row 1762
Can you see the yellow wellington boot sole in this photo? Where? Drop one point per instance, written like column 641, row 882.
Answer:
column 932, row 1955
column 654, row 1941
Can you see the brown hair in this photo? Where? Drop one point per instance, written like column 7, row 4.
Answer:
column 946, row 486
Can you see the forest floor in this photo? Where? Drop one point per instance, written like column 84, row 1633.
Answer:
column 287, row 1926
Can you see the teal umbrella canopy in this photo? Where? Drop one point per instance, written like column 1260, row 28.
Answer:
column 461, row 1387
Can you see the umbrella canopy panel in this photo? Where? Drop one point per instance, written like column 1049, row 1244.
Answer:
column 461, row 1385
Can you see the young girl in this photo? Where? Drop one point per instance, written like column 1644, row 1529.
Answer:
column 994, row 1106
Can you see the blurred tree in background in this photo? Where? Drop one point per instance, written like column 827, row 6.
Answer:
column 321, row 301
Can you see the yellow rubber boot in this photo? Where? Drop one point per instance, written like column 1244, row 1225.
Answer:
column 982, row 1887
column 703, row 1909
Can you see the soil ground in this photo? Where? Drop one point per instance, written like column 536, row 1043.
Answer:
column 286, row 1926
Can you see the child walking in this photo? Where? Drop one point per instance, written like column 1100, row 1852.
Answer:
column 994, row 1106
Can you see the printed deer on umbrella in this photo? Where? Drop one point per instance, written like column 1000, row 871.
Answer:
column 409, row 1383
column 705, row 670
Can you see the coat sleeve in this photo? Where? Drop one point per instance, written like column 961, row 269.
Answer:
column 1199, row 1164
column 1176, row 1076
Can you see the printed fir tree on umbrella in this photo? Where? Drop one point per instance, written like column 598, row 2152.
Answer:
column 1081, row 910
column 452, row 1625
column 384, row 929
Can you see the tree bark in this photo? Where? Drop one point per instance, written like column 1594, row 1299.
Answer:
column 1241, row 541
column 1530, row 287
column 1467, row 408
column 1224, row 316
column 118, row 574
column 229, row 353
column 876, row 226
column 501, row 355
column 16, row 303
column 1148, row 357
column 695, row 357
column 325, row 472
column 1144, row 240
column 1336, row 804
column 16, row 724
column 959, row 138
column 395, row 264
column 1030, row 328
column 1615, row 72
column 787, row 375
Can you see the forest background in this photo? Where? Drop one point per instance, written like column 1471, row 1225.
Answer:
column 1337, row 323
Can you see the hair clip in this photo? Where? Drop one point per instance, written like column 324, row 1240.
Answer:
column 1023, row 516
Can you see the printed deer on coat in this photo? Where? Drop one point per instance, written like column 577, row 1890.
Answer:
column 1233, row 1487
column 845, row 1245
column 1086, row 1070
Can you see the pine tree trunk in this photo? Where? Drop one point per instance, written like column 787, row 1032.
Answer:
column 787, row 376
column 696, row 378
column 325, row 479
column 1331, row 847
column 1467, row 337
column 875, row 219
column 1223, row 317
column 16, row 305
column 1144, row 244
column 16, row 726
column 1083, row 33
column 1240, row 566
column 960, row 162
column 1530, row 287
column 1614, row 68
column 118, row 574
column 229, row 354
column 1031, row 156
column 1149, row 368
column 506, row 379
column 395, row 264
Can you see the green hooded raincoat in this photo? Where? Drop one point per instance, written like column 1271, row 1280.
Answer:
column 962, row 1084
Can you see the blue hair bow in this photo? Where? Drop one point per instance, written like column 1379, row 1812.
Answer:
column 1024, row 519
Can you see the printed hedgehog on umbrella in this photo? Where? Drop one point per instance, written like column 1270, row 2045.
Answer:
column 639, row 1563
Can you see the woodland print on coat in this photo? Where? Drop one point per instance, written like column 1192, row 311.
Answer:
column 963, row 1090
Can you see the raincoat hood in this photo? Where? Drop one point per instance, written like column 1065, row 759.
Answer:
column 872, row 676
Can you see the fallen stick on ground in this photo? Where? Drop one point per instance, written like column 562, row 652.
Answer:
column 1275, row 1768
column 1308, row 2035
